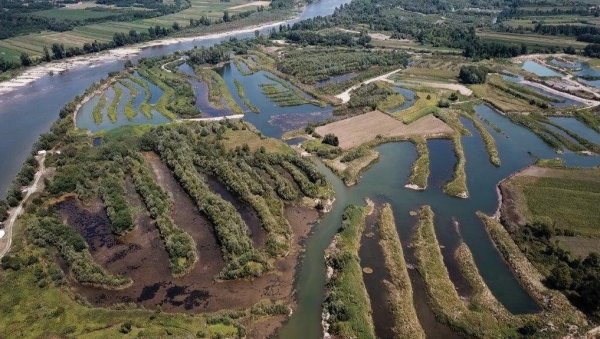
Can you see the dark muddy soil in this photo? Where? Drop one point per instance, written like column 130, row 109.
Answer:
column 141, row 256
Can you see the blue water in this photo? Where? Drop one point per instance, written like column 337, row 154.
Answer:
column 85, row 117
column 272, row 120
column 539, row 70
column 578, row 127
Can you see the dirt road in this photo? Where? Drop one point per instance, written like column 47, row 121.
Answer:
column 14, row 213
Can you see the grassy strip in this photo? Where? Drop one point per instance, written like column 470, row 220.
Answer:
column 426, row 103
column 362, row 158
column 535, row 123
column 130, row 112
column 97, row 112
column 556, row 306
column 391, row 102
column 285, row 190
column 481, row 297
column 242, row 94
column 445, row 301
column 400, row 289
column 521, row 92
column 589, row 119
column 114, row 197
column 281, row 96
column 488, row 140
column 74, row 251
column 347, row 301
column 457, row 187
column 451, row 118
column 590, row 146
column 145, row 106
column 420, row 168
column 293, row 89
column 217, row 89
column 179, row 245
column 164, row 100
column 112, row 109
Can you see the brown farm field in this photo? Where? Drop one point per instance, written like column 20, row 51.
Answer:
column 367, row 127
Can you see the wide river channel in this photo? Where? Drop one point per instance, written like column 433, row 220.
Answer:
column 29, row 111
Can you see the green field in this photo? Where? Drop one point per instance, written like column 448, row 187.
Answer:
column 567, row 198
column 75, row 14
column 34, row 43
column 570, row 203
column 532, row 40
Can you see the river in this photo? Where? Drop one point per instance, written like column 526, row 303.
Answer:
column 29, row 111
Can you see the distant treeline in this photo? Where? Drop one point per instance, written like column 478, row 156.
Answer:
column 59, row 51
column 17, row 20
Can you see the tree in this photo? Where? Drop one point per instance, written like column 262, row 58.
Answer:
column 3, row 210
column 47, row 56
column 592, row 50
column 25, row 59
column 176, row 26
column 560, row 277
column 226, row 17
column 58, row 50
column 331, row 139
column 472, row 75
column 569, row 50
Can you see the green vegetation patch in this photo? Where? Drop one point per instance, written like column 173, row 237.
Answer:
column 112, row 108
column 346, row 300
column 179, row 245
column 49, row 231
column 419, row 173
column 425, row 104
column 457, row 187
column 242, row 94
column 98, row 109
column 570, row 202
column 406, row 323
column 217, row 89
column 315, row 64
column 376, row 95
column 445, row 301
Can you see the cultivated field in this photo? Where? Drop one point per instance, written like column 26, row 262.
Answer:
column 568, row 198
column 363, row 128
column 34, row 43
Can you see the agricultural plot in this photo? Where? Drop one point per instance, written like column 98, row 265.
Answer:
column 67, row 14
column 34, row 43
column 565, row 198
column 368, row 127
column 532, row 40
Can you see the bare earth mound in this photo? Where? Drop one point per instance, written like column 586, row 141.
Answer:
column 363, row 128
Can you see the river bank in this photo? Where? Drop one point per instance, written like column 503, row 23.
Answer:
column 30, row 75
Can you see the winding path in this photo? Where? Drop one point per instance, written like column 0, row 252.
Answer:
column 13, row 214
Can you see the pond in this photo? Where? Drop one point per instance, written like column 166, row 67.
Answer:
column 272, row 120
column 539, row 70
column 85, row 117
